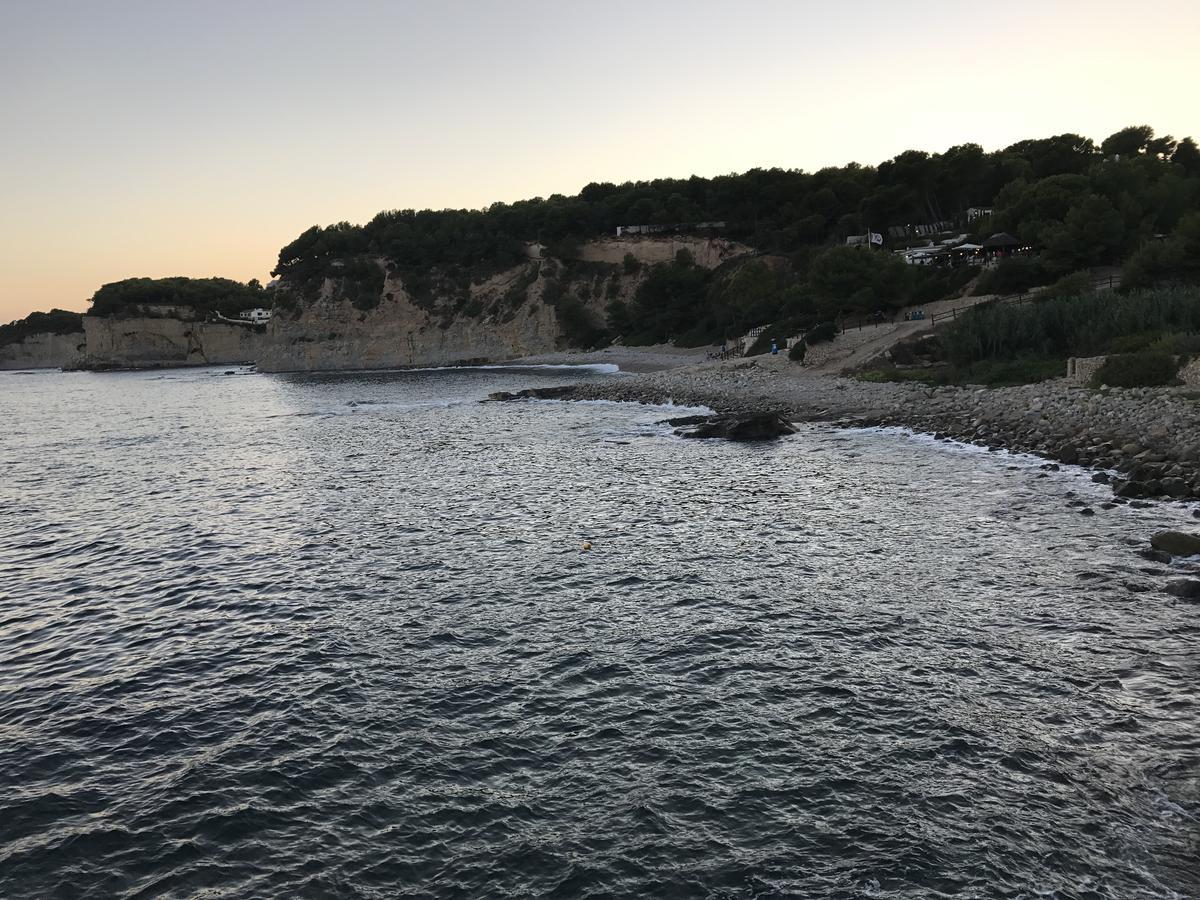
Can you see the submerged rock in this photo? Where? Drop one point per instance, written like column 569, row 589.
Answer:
column 1185, row 588
column 742, row 427
column 1177, row 543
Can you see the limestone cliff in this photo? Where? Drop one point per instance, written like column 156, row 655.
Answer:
column 446, row 318
column 132, row 343
column 43, row 351
column 362, row 313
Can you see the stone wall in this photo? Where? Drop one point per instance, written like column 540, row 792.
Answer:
column 1080, row 369
column 135, row 343
column 1190, row 374
column 43, row 351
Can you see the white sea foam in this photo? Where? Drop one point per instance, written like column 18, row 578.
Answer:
column 598, row 368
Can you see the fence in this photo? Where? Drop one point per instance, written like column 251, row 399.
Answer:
column 1107, row 282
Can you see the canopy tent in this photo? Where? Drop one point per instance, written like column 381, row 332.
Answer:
column 1001, row 241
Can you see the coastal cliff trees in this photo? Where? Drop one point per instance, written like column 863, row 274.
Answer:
column 57, row 321
column 1077, row 203
column 154, row 296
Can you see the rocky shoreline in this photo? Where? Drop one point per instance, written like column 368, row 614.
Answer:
column 1144, row 442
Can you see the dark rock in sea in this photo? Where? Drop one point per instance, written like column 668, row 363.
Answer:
column 1087, row 511
column 1101, row 478
column 742, row 427
column 1051, row 467
column 1131, row 489
column 1177, row 543
column 1175, row 487
column 1158, row 556
column 1185, row 588
column 685, row 421
column 549, row 393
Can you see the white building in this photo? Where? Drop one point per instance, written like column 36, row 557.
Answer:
column 258, row 315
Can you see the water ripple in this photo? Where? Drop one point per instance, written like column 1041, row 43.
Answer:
column 335, row 636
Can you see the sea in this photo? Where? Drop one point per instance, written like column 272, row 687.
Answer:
column 363, row 635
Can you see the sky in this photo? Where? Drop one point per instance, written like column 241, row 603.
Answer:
column 197, row 138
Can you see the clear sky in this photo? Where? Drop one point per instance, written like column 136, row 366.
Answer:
column 196, row 138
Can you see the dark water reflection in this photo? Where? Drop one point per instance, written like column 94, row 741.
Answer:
column 335, row 636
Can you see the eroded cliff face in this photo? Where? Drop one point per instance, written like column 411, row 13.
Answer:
column 134, row 343
column 504, row 317
column 706, row 252
column 44, row 351
column 542, row 305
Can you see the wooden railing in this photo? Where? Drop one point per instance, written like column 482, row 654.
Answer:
column 1105, row 283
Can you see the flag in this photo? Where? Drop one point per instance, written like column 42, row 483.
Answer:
column 876, row 237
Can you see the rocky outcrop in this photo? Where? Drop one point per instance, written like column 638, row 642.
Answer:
column 43, row 351
column 136, row 343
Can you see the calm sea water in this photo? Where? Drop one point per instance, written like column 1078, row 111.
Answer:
column 335, row 636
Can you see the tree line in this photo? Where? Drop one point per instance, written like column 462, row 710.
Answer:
column 57, row 321
column 1085, row 203
column 204, row 296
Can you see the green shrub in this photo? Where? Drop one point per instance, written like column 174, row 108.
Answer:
column 882, row 376
column 1073, row 285
column 819, row 334
column 1012, row 276
column 1130, row 343
column 1146, row 369
column 1021, row 370
column 798, row 351
column 1060, row 327
column 1186, row 346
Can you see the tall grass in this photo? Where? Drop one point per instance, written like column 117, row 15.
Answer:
column 1086, row 325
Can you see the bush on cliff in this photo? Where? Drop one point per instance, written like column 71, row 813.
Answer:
column 1129, row 370
column 57, row 321
column 798, row 351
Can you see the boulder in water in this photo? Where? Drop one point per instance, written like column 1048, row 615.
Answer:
column 549, row 393
column 1177, row 543
column 742, row 427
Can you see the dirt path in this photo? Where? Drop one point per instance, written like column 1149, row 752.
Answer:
column 855, row 348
